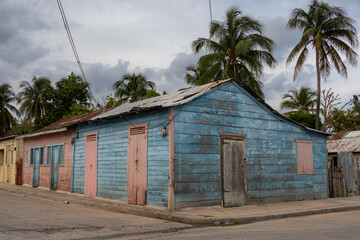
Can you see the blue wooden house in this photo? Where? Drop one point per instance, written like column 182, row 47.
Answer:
column 215, row 144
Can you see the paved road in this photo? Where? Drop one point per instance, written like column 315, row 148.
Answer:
column 33, row 218
column 345, row 225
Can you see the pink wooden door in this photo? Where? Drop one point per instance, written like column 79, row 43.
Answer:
column 90, row 184
column 137, row 164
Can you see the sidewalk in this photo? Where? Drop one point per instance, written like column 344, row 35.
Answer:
column 205, row 215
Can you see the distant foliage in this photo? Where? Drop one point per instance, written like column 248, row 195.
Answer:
column 111, row 101
column 71, row 92
column 76, row 110
column 302, row 100
column 346, row 120
column 132, row 88
column 330, row 33
column 236, row 48
column 7, row 109
column 23, row 126
column 304, row 118
column 32, row 100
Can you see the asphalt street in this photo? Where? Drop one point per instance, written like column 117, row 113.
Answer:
column 24, row 217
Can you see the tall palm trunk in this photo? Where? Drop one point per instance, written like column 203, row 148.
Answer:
column 317, row 125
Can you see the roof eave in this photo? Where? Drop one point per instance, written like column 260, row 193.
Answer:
column 36, row 134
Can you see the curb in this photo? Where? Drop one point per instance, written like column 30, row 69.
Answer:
column 183, row 218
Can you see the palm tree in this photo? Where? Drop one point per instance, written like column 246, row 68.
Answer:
column 7, row 96
column 132, row 87
column 194, row 76
column 302, row 100
column 31, row 98
column 327, row 29
column 237, row 50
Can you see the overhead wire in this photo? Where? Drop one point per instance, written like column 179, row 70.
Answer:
column 72, row 43
column 210, row 11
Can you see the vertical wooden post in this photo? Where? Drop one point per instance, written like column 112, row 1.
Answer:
column 171, row 198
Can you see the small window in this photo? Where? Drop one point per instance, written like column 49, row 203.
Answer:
column 41, row 150
column 58, row 150
column 61, row 155
column 305, row 161
column 37, row 154
column 48, row 155
column 31, row 156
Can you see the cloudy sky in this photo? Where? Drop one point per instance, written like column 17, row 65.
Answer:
column 114, row 37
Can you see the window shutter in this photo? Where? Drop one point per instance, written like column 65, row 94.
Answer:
column 31, row 156
column 91, row 138
column 41, row 155
column 304, row 151
column 137, row 130
column 61, row 154
column 48, row 155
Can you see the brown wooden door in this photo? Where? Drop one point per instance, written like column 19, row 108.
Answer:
column 137, row 165
column 90, row 184
column 233, row 172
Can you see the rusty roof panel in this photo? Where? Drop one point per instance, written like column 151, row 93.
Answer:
column 167, row 100
column 338, row 135
column 72, row 120
column 350, row 142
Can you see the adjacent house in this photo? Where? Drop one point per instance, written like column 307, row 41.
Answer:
column 48, row 154
column 344, row 164
column 10, row 154
column 215, row 144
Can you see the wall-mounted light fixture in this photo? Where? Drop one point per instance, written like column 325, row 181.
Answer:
column 163, row 132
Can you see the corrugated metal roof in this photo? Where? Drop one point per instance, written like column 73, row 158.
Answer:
column 72, row 120
column 63, row 124
column 167, row 100
column 350, row 142
column 182, row 97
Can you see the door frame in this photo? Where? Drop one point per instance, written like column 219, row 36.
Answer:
column 145, row 125
column 51, row 162
column 9, row 161
column 85, row 163
column 35, row 159
column 231, row 136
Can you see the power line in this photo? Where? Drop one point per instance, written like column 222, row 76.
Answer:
column 210, row 11
column 67, row 28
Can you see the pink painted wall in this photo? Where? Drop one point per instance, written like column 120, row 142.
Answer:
column 64, row 172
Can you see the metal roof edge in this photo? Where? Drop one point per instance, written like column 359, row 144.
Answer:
column 44, row 132
column 7, row 137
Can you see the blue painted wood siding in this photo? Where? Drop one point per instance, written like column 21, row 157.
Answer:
column 112, row 157
column 270, row 150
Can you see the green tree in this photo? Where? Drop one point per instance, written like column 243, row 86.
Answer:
column 346, row 120
column 111, row 101
column 132, row 87
column 76, row 110
column 68, row 92
column 305, row 118
column 151, row 93
column 23, row 126
column 237, row 50
column 7, row 97
column 329, row 31
column 194, row 76
column 32, row 102
column 301, row 100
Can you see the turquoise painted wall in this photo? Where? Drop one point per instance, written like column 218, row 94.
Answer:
column 270, row 150
column 112, row 157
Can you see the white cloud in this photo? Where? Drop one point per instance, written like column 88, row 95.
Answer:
column 153, row 37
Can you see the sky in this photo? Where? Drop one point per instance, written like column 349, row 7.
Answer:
column 154, row 38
